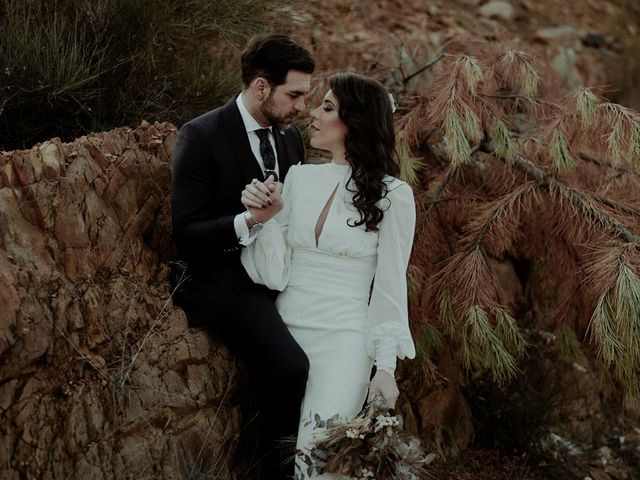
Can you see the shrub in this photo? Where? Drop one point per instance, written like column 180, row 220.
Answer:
column 69, row 67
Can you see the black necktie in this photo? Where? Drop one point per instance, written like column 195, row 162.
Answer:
column 266, row 151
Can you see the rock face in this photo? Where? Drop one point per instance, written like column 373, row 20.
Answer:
column 99, row 376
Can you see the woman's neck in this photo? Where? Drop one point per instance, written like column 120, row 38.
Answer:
column 339, row 157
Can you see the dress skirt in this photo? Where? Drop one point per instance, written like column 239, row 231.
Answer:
column 325, row 306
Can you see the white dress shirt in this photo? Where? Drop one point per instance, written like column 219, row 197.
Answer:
column 251, row 125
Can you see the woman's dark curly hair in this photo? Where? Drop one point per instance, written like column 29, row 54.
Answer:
column 365, row 108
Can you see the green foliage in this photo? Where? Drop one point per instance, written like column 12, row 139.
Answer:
column 447, row 315
column 569, row 344
column 454, row 133
column 410, row 166
column 587, row 104
column 560, row 151
column 430, row 340
column 509, row 333
column 483, row 349
column 501, row 135
column 69, row 67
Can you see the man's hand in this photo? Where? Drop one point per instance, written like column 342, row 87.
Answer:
column 263, row 199
column 384, row 384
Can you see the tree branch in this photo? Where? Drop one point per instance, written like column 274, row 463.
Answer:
column 621, row 171
column 439, row 56
column 577, row 198
column 522, row 97
column 431, row 63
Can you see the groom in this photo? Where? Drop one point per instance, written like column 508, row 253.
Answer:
column 214, row 157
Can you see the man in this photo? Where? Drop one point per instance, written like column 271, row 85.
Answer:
column 214, row 157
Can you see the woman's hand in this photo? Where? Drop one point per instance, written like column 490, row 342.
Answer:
column 384, row 384
column 263, row 199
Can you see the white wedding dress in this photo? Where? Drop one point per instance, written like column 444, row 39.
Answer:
column 328, row 301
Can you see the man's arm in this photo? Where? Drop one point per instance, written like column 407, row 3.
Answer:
column 193, row 186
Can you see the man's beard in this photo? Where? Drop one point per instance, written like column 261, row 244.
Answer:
column 268, row 110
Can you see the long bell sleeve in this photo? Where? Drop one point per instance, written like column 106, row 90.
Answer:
column 388, row 334
column 268, row 256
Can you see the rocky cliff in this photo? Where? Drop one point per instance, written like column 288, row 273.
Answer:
column 100, row 376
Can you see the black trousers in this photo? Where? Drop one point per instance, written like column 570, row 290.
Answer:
column 278, row 368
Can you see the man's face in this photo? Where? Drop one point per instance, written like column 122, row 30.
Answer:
column 285, row 102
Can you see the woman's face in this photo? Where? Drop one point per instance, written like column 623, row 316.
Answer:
column 328, row 131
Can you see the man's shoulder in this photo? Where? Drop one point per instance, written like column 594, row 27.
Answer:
column 211, row 119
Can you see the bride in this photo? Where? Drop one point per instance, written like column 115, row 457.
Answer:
column 338, row 251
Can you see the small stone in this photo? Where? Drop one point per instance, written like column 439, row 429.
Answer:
column 605, row 453
column 564, row 64
column 555, row 33
column 497, row 9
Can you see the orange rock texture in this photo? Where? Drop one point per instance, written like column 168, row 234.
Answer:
column 99, row 376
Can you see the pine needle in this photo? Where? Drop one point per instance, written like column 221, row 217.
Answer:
column 614, row 143
column 447, row 315
column 471, row 72
column 631, row 402
column 603, row 332
column 410, row 166
column 587, row 104
column 501, row 135
column 518, row 73
column 568, row 342
column 413, row 285
column 631, row 398
column 528, row 80
column 459, row 150
column 471, row 125
column 627, row 314
column 507, row 330
column 431, row 339
column 634, row 145
column 560, row 151
column 482, row 348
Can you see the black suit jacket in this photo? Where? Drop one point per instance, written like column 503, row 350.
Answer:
column 212, row 163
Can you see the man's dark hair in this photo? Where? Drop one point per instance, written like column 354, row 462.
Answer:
column 271, row 57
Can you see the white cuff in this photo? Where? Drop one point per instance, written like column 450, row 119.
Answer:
column 243, row 234
column 386, row 354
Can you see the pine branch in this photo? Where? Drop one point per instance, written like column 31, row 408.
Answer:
column 440, row 54
column 429, row 64
column 436, row 197
column 615, row 205
column 578, row 199
column 621, row 171
column 533, row 100
column 502, row 206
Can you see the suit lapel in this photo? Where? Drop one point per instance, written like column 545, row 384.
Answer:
column 283, row 152
column 237, row 135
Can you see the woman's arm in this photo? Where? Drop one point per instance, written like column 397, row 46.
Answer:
column 388, row 334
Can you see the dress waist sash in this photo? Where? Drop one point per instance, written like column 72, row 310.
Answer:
column 332, row 274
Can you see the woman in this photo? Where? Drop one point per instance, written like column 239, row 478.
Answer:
column 338, row 251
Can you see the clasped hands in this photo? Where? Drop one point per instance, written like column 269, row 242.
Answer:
column 263, row 199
